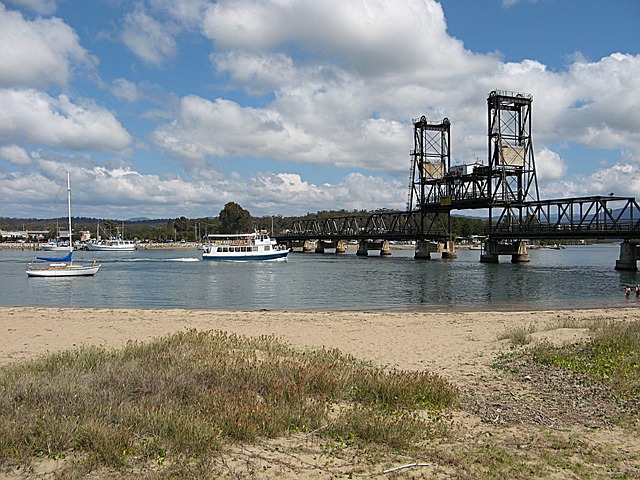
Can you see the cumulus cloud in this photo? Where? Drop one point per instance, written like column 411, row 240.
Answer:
column 622, row 179
column 149, row 39
column 223, row 128
column 15, row 154
column 35, row 117
column 111, row 192
column 549, row 165
column 346, row 99
column 372, row 37
column 38, row 53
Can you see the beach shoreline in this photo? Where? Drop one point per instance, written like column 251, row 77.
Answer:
column 444, row 342
column 497, row 411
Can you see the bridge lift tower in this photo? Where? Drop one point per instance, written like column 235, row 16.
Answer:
column 502, row 185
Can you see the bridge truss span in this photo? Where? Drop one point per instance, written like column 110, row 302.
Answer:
column 399, row 226
column 582, row 217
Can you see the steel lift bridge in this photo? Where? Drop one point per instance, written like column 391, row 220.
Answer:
column 506, row 187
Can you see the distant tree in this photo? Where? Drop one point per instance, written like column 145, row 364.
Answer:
column 234, row 219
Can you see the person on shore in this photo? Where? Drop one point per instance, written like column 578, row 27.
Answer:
column 638, row 290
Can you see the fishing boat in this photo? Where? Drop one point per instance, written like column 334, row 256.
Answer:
column 113, row 244
column 62, row 266
column 116, row 244
column 244, row 247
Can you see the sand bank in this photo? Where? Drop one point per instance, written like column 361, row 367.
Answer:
column 455, row 345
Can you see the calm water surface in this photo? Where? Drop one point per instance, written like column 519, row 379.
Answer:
column 576, row 277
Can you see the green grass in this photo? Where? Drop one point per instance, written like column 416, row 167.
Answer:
column 184, row 398
column 612, row 357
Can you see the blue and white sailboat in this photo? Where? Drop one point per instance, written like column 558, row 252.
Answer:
column 62, row 266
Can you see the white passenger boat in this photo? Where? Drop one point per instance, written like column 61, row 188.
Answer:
column 244, row 247
column 62, row 266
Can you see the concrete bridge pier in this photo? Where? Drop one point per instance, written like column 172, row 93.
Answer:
column 385, row 251
column 629, row 254
column 341, row 246
column 493, row 250
column 424, row 249
column 307, row 246
column 521, row 255
column 490, row 252
column 448, row 249
column 362, row 248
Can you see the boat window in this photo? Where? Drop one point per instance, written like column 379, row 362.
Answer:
column 255, row 249
column 267, row 247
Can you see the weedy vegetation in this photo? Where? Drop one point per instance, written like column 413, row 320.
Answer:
column 178, row 401
column 611, row 357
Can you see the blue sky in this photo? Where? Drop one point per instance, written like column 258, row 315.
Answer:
column 164, row 108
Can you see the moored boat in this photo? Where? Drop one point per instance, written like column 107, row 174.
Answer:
column 112, row 244
column 62, row 266
column 256, row 246
column 55, row 246
column 116, row 244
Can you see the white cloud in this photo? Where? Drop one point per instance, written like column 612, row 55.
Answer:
column 125, row 89
column 222, row 128
column 549, row 165
column 42, row 7
column 186, row 12
column 122, row 192
column 511, row 3
column 15, row 154
column 38, row 53
column 376, row 38
column 35, row 117
column 149, row 39
column 622, row 179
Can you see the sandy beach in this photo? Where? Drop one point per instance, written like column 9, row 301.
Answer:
column 455, row 345
column 460, row 346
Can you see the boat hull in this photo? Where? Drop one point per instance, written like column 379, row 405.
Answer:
column 96, row 247
column 62, row 271
column 246, row 257
column 55, row 248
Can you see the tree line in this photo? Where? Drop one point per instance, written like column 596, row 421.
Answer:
column 231, row 219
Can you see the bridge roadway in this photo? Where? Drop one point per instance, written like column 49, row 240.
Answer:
column 595, row 217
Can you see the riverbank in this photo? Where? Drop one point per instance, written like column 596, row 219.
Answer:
column 140, row 246
column 501, row 412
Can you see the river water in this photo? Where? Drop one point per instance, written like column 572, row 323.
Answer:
column 575, row 277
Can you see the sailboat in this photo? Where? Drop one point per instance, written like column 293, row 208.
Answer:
column 63, row 266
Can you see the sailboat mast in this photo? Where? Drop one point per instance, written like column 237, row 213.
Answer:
column 69, row 209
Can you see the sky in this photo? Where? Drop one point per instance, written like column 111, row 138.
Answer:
column 169, row 108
